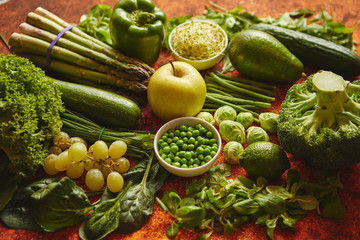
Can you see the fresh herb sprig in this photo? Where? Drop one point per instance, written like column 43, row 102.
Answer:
column 218, row 204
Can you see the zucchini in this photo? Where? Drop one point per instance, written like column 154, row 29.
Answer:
column 103, row 107
column 315, row 52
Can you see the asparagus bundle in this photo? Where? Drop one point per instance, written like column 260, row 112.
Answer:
column 76, row 55
column 242, row 94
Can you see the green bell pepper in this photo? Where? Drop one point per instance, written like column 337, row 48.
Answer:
column 138, row 29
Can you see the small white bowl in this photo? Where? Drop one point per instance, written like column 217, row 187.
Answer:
column 189, row 121
column 204, row 63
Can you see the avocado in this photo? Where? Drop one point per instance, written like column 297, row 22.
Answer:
column 258, row 55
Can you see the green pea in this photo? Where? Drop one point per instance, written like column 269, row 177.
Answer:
column 206, row 141
column 196, row 161
column 160, row 152
column 182, row 134
column 184, row 147
column 181, row 154
column 164, row 144
column 184, row 166
column 175, row 139
column 212, row 153
column 192, row 140
column 185, row 139
column 183, row 161
column 195, row 133
column 163, row 156
column 171, row 135
column 202, row 163
column 164, row 137
column 169, row 140
column 207, row 158
column 189, row 134
column 174, row 148
column 198, row 126
column 171, row 155
column 191, row 161
column 200, row 157
column 166, row 149
column 177, row 132
column 212, row 141
column 176, row 164
column 214, row 148
column 177, row 159
column 183, row 128
column 160, row 141
column 209, row 134
column 179, row 143
column 187, row 155
column 199, row 150
column 206, row 151
column 202, row 130
column 168, row 160
column 195, row 165
column 191, row 147
column 200, row 140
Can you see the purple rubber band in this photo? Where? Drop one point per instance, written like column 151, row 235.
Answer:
column 48, row 54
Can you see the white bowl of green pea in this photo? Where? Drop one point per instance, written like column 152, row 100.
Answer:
column 187, row 146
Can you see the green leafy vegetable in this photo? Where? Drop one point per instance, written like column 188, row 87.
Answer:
column 7, row 184
column 30, row 107
column 138, row 203
column 104, row 218
column 222, row 205
column 59, row 205
column 17, row 214
column 97, row 23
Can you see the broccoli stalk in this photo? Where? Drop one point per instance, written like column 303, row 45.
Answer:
column 30, row 107
column 319, row 121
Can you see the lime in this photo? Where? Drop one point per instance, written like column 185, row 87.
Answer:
column 264, row 159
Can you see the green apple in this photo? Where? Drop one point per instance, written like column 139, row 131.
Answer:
column 176, row 89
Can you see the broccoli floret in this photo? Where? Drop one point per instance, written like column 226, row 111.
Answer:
column 320, row 119
column 30, row 106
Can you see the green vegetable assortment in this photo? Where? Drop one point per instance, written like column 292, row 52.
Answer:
column 108, row 57
column 187, row 146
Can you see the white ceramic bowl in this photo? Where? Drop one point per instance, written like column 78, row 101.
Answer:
column 205, row 63
column 189, row 121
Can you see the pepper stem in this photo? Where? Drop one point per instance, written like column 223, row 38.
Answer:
column 141, row 18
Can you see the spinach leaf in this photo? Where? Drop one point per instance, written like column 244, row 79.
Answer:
column 104, row 218
column 59, row 205
column 138, row 203
column 8, row 185
column 16, row 214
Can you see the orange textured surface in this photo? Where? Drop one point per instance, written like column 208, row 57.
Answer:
column 310, row 227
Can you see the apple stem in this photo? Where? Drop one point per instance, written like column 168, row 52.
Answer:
column 173, row 67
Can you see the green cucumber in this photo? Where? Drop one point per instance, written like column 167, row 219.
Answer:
column 103, row 107
column 315, row 52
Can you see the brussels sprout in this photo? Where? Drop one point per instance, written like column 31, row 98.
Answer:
column 232, row 131
column 232, row 152
column 269, row 121
column 245, row 118
column 207, row 117
column 256, row 134
column 224, row 113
